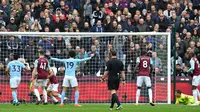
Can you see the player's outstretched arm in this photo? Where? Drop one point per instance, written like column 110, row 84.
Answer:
column 85, row 59
column 56, row 59
column 192, row 63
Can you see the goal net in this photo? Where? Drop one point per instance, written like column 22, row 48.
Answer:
column 57, row 44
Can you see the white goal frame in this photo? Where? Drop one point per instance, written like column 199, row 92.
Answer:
column 100, row 34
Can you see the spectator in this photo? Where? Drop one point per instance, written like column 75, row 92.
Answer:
column 12, row 45
column 116, row 6
column 163, row 23
column 93, row 64
column 157, row 63
column 82, row 66
column 58, row 14
column 149, row 23
column 5, row 7
column 146, row 5
column 58, row 24
column 12, row 26
column 98, row 27
column 179, row 65
column 168, row 11
column 88, row 11
column 31, row 51
column 36, row 27
column 97, row 15
column 118, row 43
column 142, row 27
column 59, row 44
column 45, row 44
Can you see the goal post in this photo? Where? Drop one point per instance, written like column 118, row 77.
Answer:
column 91, row 89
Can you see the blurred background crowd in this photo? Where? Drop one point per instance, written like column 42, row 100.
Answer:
column 101, row 16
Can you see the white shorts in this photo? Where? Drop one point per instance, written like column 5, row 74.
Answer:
column 53, row 87
column 70, row 81
column 14, row 82
column 145, row 79
column 196, row 80
column 41, row 83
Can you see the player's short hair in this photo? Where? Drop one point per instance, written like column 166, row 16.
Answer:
column 72, row 53
column 113, row 53
column 178, row 91
column 191, row 53
column 41, row 52
column 144, row 52
column 15, row 56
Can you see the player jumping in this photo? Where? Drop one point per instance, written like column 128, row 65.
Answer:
column 70, row 77
column 14, row 68
column 145, row 68
column 195, row 67
column 42, row 70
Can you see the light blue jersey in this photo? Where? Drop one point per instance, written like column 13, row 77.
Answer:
column 70, row 64
column 15, row 67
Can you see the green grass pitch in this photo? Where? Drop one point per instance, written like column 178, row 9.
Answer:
column 97, row 108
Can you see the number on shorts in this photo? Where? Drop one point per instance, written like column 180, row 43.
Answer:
column 70, row 64
column 43, row 66
column 144, row 64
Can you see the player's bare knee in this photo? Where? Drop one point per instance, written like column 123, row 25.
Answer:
column 194, row 87
column 148, row 87
column 76, row 88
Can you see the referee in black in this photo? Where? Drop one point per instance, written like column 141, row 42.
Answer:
column 114, row 68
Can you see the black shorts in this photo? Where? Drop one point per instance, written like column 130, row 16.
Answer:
column 113, row 84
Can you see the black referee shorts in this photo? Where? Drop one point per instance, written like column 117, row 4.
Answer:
column 113, row 84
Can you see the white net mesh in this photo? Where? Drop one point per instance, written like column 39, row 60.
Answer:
column 128, row 46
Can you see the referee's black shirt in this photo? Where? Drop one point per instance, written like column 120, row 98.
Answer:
column 114, row 66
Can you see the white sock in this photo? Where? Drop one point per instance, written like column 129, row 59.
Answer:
column 37, row 94
column 45, row 95
column 198, row 94
column 195, row 95
column 150, row 95
column 59, row 95
column 137, row 95
column 54, row 99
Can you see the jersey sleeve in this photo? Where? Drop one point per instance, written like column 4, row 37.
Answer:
column 8, row 66
column 192, row 62
column 151, row 61
column 85, row 59
column 22, row 65
column 138, row 60
column 58, row 60
column 49, row 67
column 36, row 64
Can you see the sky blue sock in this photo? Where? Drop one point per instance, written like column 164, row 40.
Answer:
column 76, row 97
column 14, row 95
column 62, row 97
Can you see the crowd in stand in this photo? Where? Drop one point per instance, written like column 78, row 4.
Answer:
column 101, row 16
